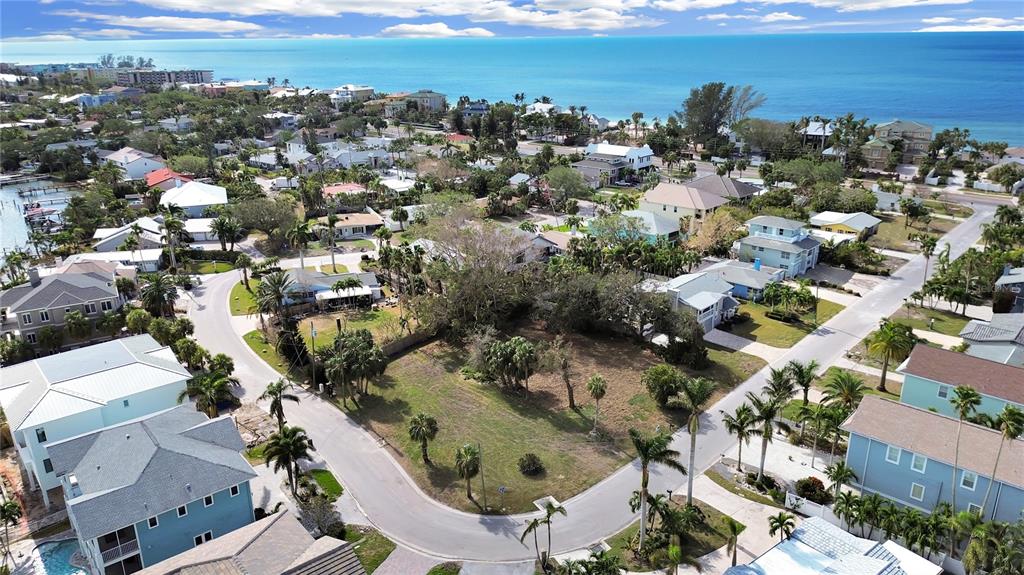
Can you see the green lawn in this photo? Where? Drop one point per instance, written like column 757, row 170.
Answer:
column 326, row 268
column 255, row 454
column 382, row 322
column 241, row 299
column 775, row 333
column 357, row 244
column 209, row 267
column 791, row 410
column 327, row 482
column 370, row 546
column 946, row 322
column 949, row 208
column 870, row 381
column 256, row 342
column 893, row 235
column 450, row 568
column 704, row 539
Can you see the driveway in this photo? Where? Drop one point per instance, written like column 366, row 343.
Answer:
column 396, row 506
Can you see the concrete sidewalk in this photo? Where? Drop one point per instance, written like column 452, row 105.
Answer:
column 946, row 341
column 404, row 561
column 846, row 363
column 737, row 343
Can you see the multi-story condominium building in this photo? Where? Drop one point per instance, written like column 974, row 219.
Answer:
column 682, row 202
column 79, row 391
column 779, row 243
column 907, row 453
column 999, row 339
column 145, row 490
column 876, row 153
column 43, row 301
column 428, row 100
column 931, row 374
column 915, row 135
column 151, row 77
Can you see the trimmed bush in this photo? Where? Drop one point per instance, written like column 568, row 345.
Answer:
column 813, row 489
column 531, row 465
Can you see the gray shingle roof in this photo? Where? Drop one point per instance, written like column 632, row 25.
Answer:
column 56, row 291
column 743, row 273
column 132, row 471
column 1013, row 276
column 1004, row 327
column 793, row 248
column 776, row 222
column 723, row 186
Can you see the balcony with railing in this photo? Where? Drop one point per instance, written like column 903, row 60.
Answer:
column 123, row 550
column 801, row 234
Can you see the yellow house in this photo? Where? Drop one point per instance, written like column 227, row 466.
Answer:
column 858, row 224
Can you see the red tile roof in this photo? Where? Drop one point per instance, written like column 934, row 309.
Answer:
column 986, row 377
column 156, row 177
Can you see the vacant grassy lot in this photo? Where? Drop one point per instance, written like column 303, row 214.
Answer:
column 241, row 299
column 709, row 536
column 893, row 235
column 945, row 322
column 507, row 426
column 370, row 546
column 383, row 323
column 773, row 332
column 949, row 208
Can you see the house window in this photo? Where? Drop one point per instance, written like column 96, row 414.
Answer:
column 943, row 392
column 182, row 511
column 234, row 490
column 917, row 492
column 106, row 305
column 30, row 337
column 785, row 255
column 89, row 308
column 41, row 435
column 204, row 538
column 154, row 522
column 44, row 316
column 974, row 508
column 47, row 465
column 892, row 454
column 26, row 319
column 918, row 463
column 208, row 501
column 969, row 480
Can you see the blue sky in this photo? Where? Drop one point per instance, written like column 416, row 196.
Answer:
column 60, row 20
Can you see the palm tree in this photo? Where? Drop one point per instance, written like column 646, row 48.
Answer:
column 741, row 424
column 277, row 393
column 892, row 341
column 803, row 375
column 814, row 414
column 782, row 523
column 10, row 514
column 423, row 428
column 159, row 294
column 694, row 395
column 597, row 387
column 766, row 410
column 209, row 389
column 550, row 510
column 273, row 292
column 839, row 473
column 467, row 465
column 846, row 507
column 225, row 228
column 1011, row 426
column 780, row 385
column 533, row 526
column 655, row 449
column 844, row 389
column 243, row 263
column 173, row 228
column 383, row 234
column 928, row 245
column 733, row 529
column 285, row 449
column 965, row 400
column 131, row 243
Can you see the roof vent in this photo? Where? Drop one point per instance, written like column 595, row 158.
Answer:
column 127, row 436
column 188, row 487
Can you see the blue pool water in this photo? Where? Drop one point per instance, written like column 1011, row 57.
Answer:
column 55, row 558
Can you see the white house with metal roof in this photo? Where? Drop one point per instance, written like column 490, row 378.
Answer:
column 135, row 164
column 195, row 197
column 60, row 396
column 636, row 158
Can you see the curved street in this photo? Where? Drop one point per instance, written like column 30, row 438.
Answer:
column 396, row 506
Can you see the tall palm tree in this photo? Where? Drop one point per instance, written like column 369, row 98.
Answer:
column 803, row 375
column 243, row 264
column 423, row 428
column 694, row 394
column 782, row 523
column 965, row 400
column 10, row 514
column 928, row 245
column 159, row 294
column 550, row 510
column 742, row 424
column 277, row 393
column 844, row 389
column 766, row 410
column 467, row 465
column 892, row 341
column 273, row 292
column 383, row 234
column 209, row 389
column 1011, row 426
column 652, row 450
column 285, row 449
column 815, row 415
column 780, row 385
column 839, row 473
column 533, row 526
column 597, row 387
column 733, row 529
column 173, row 228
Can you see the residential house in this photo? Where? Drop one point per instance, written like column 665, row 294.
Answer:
column 143, row 260
column 600, row 170
column 475, row 109
column 780, row 243
column 141, row 491
column 681, row 201
column 930, row 375
column 350, row 93
column 148, row 232
column 428, row 100
column 201, row 230
column 103, row 269
column 1013, row 281
column 857, row 224
column 65, row 395
column 410, row 211
column 543, row 108
column 535, row 247
column 79, row 145
column 999, row 339
column 177, row 124
column 165, row 179
column 906, row 453
column 876, row 153
column 44, row 301
column 520, row 178
column 636, row 158
column 816, row 132
column 94, row 100
column 312, row 286
column 275, row 545
column 748, row 279
column 723, row 187
column 285, row 120
column 819, row 547
column 655, row 226
column 356, row 224
column 135, row 164
column 707, row 295
column 560, row 240
column 890, row 201
column 195, row 198
column 343, row 189
column 917, row 137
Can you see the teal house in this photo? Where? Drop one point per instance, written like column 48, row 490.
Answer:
column 779, row 243
column 930, row 375
column 145, row 490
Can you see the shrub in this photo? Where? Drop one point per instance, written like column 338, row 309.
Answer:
column 813, row 489
column 766, row 484
column 531, row 465
column 783, row 316
column 662, row 382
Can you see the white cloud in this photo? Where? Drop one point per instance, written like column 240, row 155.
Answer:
column 840, row 5
column 42, row 38
column 112, row 33
column 619, row 5
column 773, row 17
column 165, row 23
column 720, row 16
column 938, row 20
column 435, row 30
column 781, row 17
column 978, row 25
column 588, row 19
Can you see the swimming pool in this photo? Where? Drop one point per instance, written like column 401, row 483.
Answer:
column 54, row 558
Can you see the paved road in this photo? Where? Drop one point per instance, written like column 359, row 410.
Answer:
column 393, row 502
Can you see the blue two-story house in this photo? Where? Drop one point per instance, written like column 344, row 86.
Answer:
column 148, row 489
column 1013, row 281
column 906, row 453
column 779, row 243
column 931, row 374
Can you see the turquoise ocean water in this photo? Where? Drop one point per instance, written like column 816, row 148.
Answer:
column 973, row 80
